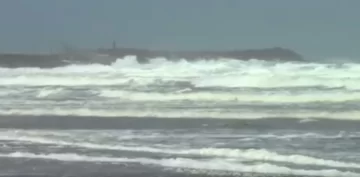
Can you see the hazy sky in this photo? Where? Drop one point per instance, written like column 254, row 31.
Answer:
column 310, row 27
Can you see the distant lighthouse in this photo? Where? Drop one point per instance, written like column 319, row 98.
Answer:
column 114, row 45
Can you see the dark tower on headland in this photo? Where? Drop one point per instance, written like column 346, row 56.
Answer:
column 114, row 45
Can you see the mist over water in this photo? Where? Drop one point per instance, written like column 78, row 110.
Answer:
column 306, row 93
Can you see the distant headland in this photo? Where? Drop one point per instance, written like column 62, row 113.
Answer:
column 144, row 55
column 108, row 56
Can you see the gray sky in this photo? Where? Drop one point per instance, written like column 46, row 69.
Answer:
column 311, row 27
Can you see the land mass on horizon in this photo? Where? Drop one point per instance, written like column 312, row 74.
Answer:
column 71, row 55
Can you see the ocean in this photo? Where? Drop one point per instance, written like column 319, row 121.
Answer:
column 220, row 117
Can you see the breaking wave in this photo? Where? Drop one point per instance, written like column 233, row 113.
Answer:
column 204, row 73
column 240, row 154
column 159, row 148
column 306, row 89
column 214, row 164
column 204, row 113
column 218, row 89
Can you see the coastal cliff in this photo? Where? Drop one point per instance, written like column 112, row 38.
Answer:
column 107, row 56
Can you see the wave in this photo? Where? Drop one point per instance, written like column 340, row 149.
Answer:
column 188, row 95
column 214, row 164
column 261, row 97
column 239, row 154
column 26, row 135
column 162, row 113
column 203, row 73
column 221, row 88
column 46, row 92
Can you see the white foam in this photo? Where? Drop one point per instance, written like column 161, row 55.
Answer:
column 160, row 73
column 161, row 113
column 45, row 92
column 16, row 134
column 213, row 164
column 261, row 97
column 264, row 155
column 223, row 72
column 258, row 97
column 72, row 80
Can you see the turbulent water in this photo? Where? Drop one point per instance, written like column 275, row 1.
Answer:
column 222, row 117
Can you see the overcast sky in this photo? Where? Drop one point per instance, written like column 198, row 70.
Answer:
column 311, row 27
